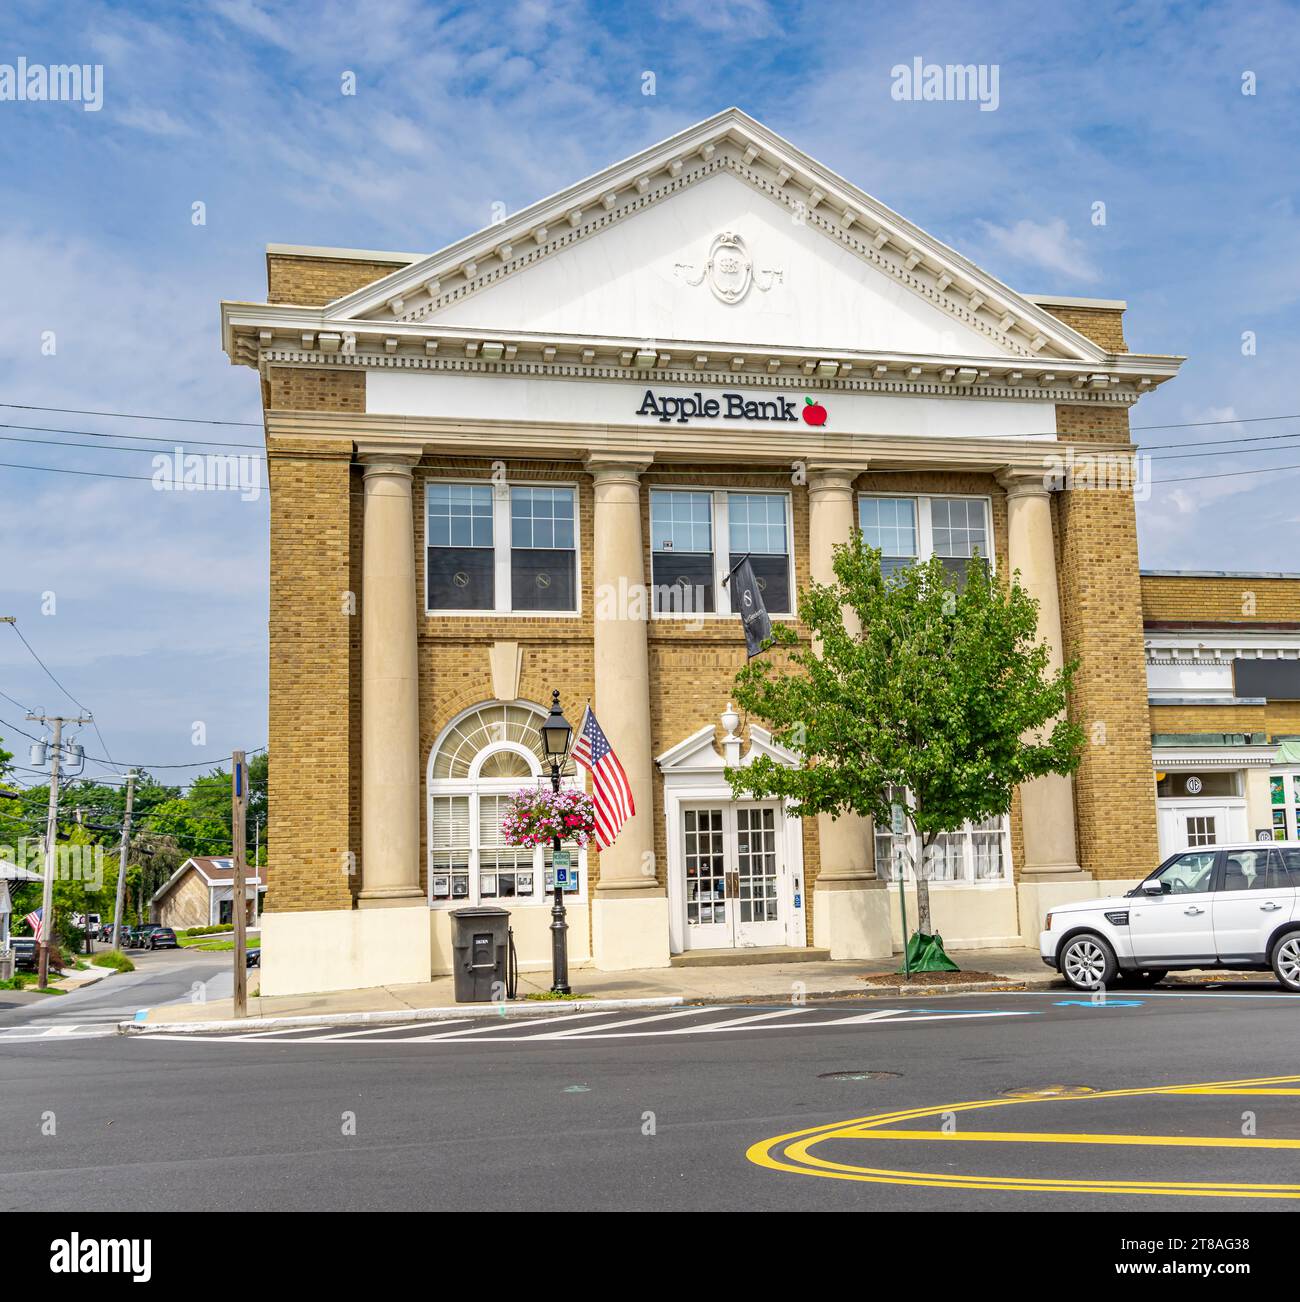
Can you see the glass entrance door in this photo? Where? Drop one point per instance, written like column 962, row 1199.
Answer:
column 736, row 882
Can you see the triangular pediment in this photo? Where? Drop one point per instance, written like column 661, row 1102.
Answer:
column 728, row 233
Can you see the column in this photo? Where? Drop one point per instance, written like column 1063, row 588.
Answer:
column 629, row 909
column 1046, row 803
column 390, row 706
column 850, row 906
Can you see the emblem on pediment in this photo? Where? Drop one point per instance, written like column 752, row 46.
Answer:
column 729, row 270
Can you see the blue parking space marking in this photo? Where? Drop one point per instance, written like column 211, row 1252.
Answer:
column 1098, row 1003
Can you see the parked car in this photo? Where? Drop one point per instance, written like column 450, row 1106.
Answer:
column 253, row 958
column 1231, row 906
column 137, row 937
column 160, row 938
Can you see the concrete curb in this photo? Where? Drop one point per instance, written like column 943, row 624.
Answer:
column 395, row 1017
column 865, row 991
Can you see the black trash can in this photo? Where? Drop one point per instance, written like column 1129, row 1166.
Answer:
column 481, row 944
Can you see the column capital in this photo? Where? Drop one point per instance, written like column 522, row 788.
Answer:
column 1024, row 481
column 388, row 458
column 615, row 466
column 833, row 477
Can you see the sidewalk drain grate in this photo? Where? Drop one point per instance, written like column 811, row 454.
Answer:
column 859, row 1075
column 1048, row 1091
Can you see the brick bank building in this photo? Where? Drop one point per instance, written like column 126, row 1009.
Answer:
column 526, row 462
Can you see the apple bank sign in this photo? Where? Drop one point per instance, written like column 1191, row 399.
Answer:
column 728, row 406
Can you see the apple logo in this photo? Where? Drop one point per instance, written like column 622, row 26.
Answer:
column 813, row 412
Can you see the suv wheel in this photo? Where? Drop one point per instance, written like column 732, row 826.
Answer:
column 1286, row 960
column 1088, row 962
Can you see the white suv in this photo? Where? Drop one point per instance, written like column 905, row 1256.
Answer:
column 1225, row 906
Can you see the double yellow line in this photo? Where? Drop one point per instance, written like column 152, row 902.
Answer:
column 792, row 1153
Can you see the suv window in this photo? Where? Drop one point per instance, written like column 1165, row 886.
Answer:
column 1187, row 873
column 1255, row 870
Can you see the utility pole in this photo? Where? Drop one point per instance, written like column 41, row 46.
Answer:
column 238, row 904
column 51, row 838
column 119, row 902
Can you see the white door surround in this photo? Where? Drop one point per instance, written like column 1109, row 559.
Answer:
column 693, row 779
column 1192, row 824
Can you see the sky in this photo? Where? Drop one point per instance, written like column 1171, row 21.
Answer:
column 150, row 607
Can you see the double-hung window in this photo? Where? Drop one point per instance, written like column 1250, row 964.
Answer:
column 910, row 529
column 975, row 853
column 689, row 562
column 501, row 547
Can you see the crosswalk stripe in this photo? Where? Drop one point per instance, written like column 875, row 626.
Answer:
column 594, row 1032
column 740, row 1021
column 503, row 1025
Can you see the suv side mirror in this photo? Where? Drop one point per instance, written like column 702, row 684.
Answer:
column 1152, row 887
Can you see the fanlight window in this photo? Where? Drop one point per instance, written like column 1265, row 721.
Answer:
column 485, row 727
column 483, row 758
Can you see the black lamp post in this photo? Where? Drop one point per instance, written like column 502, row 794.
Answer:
column 557, row 733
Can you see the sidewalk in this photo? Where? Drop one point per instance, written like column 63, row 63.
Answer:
column 729, row 984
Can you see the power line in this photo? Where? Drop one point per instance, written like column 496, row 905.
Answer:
column 135, row 438
column 48, row 672
column 129, row 415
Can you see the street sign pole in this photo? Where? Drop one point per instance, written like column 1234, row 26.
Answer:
column 238, row 905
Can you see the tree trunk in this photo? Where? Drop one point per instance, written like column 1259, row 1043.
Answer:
column 923, row 892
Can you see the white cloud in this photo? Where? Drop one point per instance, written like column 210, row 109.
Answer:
column 1046, row 244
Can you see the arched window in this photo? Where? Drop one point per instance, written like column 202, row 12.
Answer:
column 481, row 759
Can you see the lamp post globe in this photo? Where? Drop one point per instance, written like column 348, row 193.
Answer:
column 557, row 733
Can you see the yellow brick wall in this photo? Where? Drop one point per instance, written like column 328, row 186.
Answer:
column 313, row 703
column 303, row 388
column 1101, row 624
column 1085, row 424
column 1191, row 598
column 313, row 281
column 1103, row 325
column 1208, row 718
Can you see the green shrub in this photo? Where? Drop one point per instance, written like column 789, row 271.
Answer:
column 115, row 959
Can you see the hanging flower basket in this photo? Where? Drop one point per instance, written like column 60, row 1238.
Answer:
column 536, row 816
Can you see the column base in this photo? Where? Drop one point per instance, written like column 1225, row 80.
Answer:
column 629, row 929
column 851, row 918
column 344, row 949
column 1054, row 872
column 390, row 897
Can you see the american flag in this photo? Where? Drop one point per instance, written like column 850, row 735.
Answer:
column 612, row 794
column 33, row 920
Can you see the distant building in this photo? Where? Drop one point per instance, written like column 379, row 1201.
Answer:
column 1223, row 675
column 200, row 891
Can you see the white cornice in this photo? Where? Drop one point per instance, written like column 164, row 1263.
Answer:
column 261, row 334
column 731, row 141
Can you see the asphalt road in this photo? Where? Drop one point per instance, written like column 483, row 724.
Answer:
column 1190, row 1094
column 162, row 977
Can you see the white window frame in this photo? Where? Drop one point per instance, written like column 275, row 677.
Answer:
column 473, row 787
column 968, row 878
column 924, row 520
column 501, row 547
column 720, row 529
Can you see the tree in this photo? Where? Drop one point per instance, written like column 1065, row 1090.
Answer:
column 934, row 693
